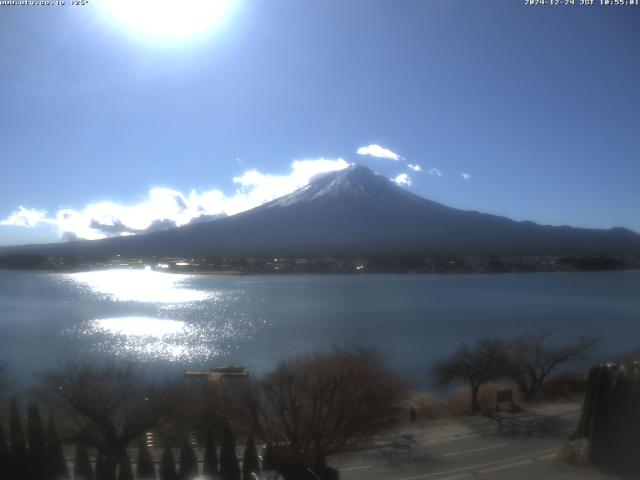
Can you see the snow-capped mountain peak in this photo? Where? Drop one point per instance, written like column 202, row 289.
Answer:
column 355, row 181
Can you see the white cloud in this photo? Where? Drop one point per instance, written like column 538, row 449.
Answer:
column 435, row 171
column 465, row 176
column 378, row 152
column 164, row 207
column 26, row 217
column 402, row 179
column 415, row 167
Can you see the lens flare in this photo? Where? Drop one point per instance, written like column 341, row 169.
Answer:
column 169, row 19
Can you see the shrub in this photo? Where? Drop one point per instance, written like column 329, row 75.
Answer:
column 458, row 405
column 564, row 387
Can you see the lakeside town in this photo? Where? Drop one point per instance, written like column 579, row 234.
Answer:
column 336, row 265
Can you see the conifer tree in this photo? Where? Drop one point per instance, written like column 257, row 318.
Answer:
column 18, row 451
column 100, row 470
column 168, row 465
column 105, row 470
column 188, row 462
column 145, row 470
column 250, row 462
column 125, row 472
column 229, row 468
column 268, row 462
column 37, row 453
column 4, row 454
column 58, row 469
column 82, row 469
column 210, row 461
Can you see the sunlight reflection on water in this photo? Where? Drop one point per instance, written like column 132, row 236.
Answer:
column 149, row 338
column 141, row 326
column 128, row 285
column 201, row 323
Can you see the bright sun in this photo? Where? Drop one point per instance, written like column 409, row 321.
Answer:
column 169, row 19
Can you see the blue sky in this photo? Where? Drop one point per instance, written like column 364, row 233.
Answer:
column 99, row 122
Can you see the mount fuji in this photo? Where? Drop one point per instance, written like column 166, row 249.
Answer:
column 353, row 212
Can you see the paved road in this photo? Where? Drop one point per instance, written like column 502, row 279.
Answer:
column 521, row 446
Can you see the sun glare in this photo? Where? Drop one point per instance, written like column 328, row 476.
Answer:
column 146, row 286
column 141, row 326
column 169, row 19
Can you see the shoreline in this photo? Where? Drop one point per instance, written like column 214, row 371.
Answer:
column 239, row 273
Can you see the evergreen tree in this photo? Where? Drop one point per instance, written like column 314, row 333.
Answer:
column 105, row 470
column 145, row 470
column 188, row 462
column 125, row 472
column 210, row 461
column 18, row 462
column 58, row 469
column 82, row 469
column 268, row 462
column 229, row 468
column 4, row 454
column 250, row 462
column 102, row 472
column 99, row 467
column 168, row 465
column 106, row 466
column 38, row 465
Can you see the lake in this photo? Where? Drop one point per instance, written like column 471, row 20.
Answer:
column 173, row 322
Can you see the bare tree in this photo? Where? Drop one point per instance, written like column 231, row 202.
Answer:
column 533, row 357
column 109, row 405
column 475, row 364
column 320, row 403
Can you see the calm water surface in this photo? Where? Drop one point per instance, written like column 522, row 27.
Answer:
column 178, row 321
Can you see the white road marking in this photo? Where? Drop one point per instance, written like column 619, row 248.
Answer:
column 548, row 457
column 506, row 466
column 501, row 467
column 351, row 469
column 475, row 467
column 461, row 437
column 473, row 450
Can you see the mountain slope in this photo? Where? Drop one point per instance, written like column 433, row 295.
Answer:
column 357, row 212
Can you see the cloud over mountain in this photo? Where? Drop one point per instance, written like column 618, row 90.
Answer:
column 165, row 208
column 402, row 179
column 25, row 217
column 377, row 151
